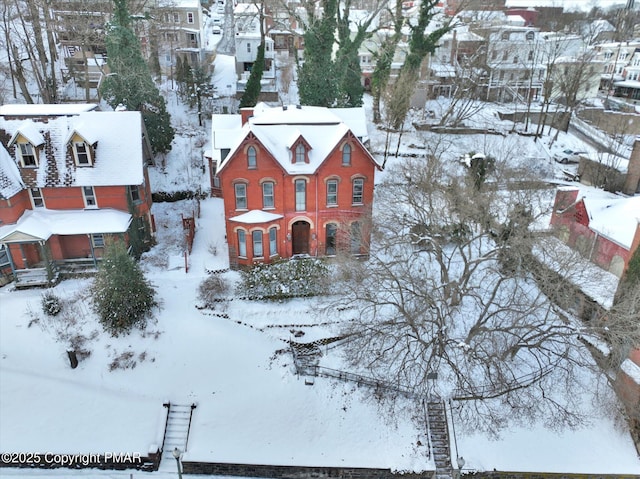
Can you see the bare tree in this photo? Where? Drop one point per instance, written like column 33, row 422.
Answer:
column 448, row 293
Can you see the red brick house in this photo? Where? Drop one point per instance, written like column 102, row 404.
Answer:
column 295, row 181
column 70, row 177
column 604, row 227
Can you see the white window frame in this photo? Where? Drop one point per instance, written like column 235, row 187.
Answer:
column 97, row 240
column 268, row 197
column 240, row 190
column 89, row 197
column 332, row 192
column 357, row 197
column 300, row 153
column 252, row 158
column 242, row 243
column 37, row 200
column 77, row 154
column 257, row 244
column 273, row 241
column 31, row 153
column 346, row 154
column 301, row 195
column 190, row 17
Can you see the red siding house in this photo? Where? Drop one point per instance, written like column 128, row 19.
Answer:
column 602, row 226
column 70, row 177
column 295, row 181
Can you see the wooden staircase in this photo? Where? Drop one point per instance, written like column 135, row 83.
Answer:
column 439, row 435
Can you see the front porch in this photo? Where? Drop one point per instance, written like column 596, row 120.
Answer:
column 40, row 276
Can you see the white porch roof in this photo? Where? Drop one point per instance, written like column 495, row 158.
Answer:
column 40, row 224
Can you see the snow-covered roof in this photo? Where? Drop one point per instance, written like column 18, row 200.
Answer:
column 28, row 130
column 178, row 4
column 225, row 130
column 118, row 156
column 46, row 110
column 631, row 369
column 255, row 217
column 615, row 218
column 41, row 223
column 276, row 128
column 10, row 180
column 628, row 84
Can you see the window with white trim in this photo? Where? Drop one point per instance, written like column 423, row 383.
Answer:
column 189, row 17
column 27, row 154
column 89, row 196
column 346, row 155
column 358, row 191
column 300, row 153
column 37, row 200
column 301, row 195
column 251, row 158
column 241, row 196
column 82, row 153
column 97, row 240
column 267, row 195
column 242, row 244
column 332, row 192
column 256, row 239
column 273, row 241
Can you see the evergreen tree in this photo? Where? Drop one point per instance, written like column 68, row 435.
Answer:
column 253, row 88
column 130, row 83
column 122, row 296
column 316, row 80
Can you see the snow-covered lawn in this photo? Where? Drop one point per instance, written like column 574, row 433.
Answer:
column 252, row 408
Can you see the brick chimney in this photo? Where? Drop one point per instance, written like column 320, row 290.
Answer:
column 246, row 113
column 632, row 181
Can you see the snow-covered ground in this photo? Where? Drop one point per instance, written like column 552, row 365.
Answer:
column 252, row 408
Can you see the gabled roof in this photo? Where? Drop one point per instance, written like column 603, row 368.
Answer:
column 277, row 129
column 27, row 129
column 41, row 223
column 10, row 180
column 118, row 158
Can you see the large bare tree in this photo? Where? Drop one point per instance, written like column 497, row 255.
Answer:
column 447, row 304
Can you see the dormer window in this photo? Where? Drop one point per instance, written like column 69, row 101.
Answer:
column 301, row 153
column 28, row 157
column 82, row 154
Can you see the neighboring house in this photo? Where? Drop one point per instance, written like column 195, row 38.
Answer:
column 247, row 40
column 179, row 29
column 602, row 226
column 515, row 63
column 295, row 181
column 70, row 177
column 630, row 86
column 615, row 56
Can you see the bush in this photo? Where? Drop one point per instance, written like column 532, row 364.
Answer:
column 213, row 289
column 122, row 296
column 285, row 279
column 51, row 304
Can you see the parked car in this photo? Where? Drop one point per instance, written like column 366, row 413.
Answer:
column 569, row 156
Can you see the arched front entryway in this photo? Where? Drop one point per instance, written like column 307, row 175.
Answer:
column 300, row 237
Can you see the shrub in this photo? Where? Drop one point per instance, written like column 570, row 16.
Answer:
column 122, row 296
column 51, row 304
column 213, row 288
column 285, row 279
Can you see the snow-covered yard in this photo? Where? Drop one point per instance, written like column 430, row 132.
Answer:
column 251, row 406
